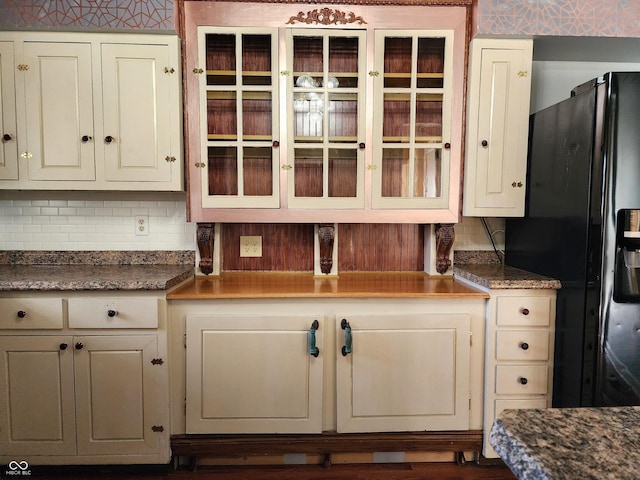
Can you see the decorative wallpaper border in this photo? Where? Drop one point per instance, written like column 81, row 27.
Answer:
column 88, row 14
column 596, row 18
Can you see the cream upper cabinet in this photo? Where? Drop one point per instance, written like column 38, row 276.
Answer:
column 340, row 117
column 8, row 144
column 141, row 126
column 498, row 126
column 97, row 112
column 58, row 88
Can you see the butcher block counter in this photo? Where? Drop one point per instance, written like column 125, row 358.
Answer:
column 303, row 285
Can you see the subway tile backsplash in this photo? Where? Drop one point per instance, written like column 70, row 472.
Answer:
column 93, row 221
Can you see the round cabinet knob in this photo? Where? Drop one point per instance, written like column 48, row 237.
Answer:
column 112, row 313
column 523, row 380
column 63, row 346
column 108, row 139
column 447, row 146
column 79, row 346
column 86, row 138
column 524, row 311
column 22, row 314
column 484, row 143
column 6, row 137
column 361, row 145
column 524, row 346
column 276, row 144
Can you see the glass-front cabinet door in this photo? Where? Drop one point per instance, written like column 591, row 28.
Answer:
column 411, row 153
column 239, row 117
column 325, row 119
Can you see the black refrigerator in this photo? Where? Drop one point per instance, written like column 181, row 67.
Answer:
column 581, row 226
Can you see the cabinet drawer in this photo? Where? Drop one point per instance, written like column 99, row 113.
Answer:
column 518, row 404
column 113, row 312
column 522, row 345
column 521, row 379
column 30, row 313
column 523, row 311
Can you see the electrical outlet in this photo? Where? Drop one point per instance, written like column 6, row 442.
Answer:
column 250, row 246
column 142, row 224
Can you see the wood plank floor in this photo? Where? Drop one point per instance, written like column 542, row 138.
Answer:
column 394, row 471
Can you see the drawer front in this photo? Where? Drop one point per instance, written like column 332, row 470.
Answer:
column 522, row 345
column 518, row 404
column 521, row 379
column 523, row 311
column 113, row 312
column 31, row 313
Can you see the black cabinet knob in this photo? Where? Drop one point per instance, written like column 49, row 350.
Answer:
column 484, row 143
column 447, row 146
column 22, row 314
column 524, row 346
column 108, row 139
column 6, row 137
column 523, row 380
column 524, row 311
column 276, row 144
column 63, row 346
column 86, row 138
column 112, row 313
column 79, row 346
column 361, row 145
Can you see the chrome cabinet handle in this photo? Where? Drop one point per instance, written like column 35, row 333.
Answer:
column 348, row 341
column 313, row 350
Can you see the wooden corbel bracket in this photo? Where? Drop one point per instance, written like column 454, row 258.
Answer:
column 445, row 235
column 205, row 235
column 326, row 236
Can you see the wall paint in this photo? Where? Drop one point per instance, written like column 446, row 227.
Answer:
column 597, row 18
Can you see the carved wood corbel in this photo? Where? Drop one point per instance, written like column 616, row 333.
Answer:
column 445, row 235
column 326, row 235
column 205, row 235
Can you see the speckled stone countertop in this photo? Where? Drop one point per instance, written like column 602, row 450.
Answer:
column 498, row 276
column 570, row 443
column 135, row 270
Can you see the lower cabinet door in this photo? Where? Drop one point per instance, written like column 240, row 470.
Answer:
column 37, row 396
column 116, row 394
column 403, row 372
column 250, row 374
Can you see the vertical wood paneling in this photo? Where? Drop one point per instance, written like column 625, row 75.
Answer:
column 285, row 247
column 380, row 248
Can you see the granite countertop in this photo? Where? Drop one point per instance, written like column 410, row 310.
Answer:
column 498, row 276
column 42, row 271
column 570, row 443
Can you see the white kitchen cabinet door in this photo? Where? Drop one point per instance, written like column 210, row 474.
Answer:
column 498, row 128
column 403, row 373
column 8, row 143
column 37, row 401
column 138, row 138
column 254, row 374
column 116, row 394
column 59, row 111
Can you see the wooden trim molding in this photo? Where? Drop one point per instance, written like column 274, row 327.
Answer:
column 450, row 3
column 325, row 443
